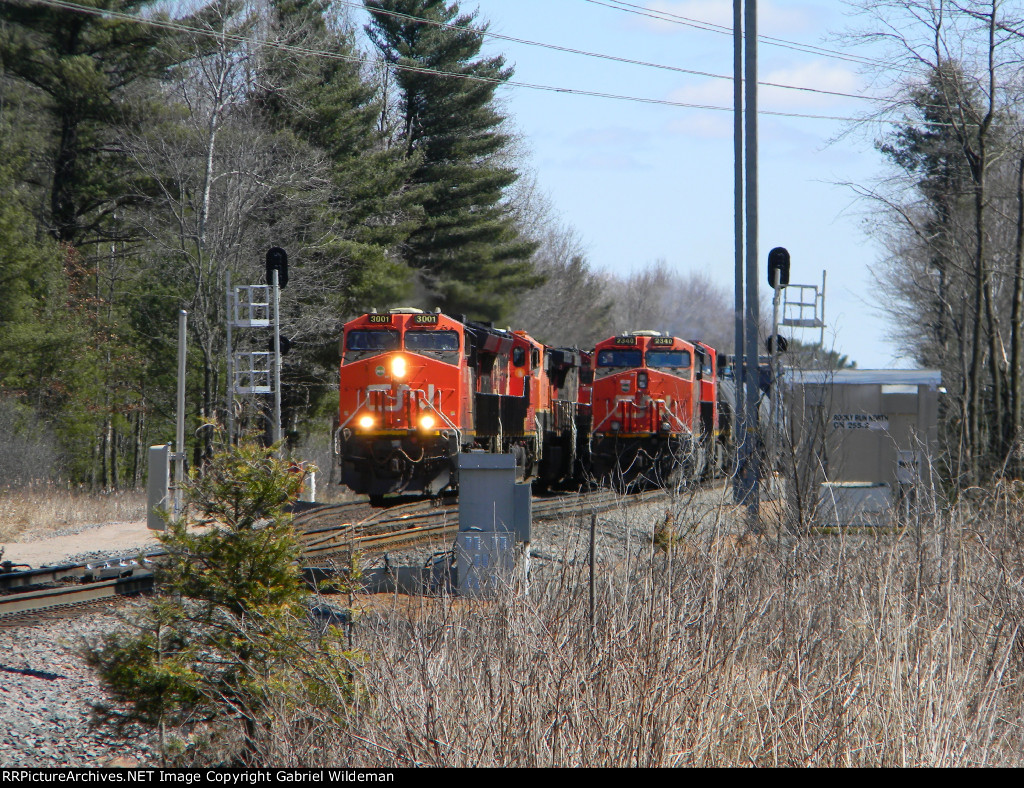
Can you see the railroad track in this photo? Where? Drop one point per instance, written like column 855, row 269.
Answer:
column 327, row 533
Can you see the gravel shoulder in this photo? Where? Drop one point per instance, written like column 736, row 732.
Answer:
column 106, row 538
column 46, row 696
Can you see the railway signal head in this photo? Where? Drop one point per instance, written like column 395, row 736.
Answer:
column 778, row 260
column 277, row 260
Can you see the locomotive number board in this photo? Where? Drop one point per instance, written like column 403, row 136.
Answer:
column 625, row 340
column 379, row 318
column 424, row 320
column 663, row 341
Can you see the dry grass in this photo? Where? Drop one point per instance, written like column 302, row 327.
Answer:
column 42, row 509
column 893, row 650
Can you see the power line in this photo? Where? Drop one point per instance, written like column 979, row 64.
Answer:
column 677, row 19
column 598, row 55
column 176, row 26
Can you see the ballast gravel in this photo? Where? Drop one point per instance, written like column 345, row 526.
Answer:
column 46, row 697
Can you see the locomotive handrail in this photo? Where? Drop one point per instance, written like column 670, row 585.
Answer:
column 682, row 424
column 440, row 413
column 359, row 404
column 620, row 400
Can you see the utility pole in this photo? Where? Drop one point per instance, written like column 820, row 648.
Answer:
column 230, row 387
column 747, row 378
column 778, row 278
column 739, row 416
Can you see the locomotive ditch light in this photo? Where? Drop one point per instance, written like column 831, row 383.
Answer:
column 398, row 367
column 666, row 427
column 616, row 426
column 366, row 422
column 426, row 422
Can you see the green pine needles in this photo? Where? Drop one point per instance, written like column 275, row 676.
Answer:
column 226, row 646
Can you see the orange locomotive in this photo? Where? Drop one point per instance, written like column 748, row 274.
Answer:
column 655, row 413
column 416, row 388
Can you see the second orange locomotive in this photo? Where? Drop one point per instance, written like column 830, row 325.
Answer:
column 655, row 409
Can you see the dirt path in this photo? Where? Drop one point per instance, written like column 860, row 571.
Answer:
column 111, row 538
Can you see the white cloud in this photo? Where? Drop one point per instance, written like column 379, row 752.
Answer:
column 816, row 75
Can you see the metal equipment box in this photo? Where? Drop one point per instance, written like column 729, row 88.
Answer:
column 485, row 561
column 489, row 497
column 158, row 486
column 861, row 427
column 854, row 503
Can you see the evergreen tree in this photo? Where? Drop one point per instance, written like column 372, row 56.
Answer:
column 79, row 65
column 228, row 635
column 811, row 355
column 47, row 359
column 468, row 250
column 330, row 105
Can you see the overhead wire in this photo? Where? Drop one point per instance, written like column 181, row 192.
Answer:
column 597, row 55
column 678, row 19
column 310, row 52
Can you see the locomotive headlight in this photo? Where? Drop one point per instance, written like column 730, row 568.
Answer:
column 366, row 422
column 426, row 422
column 398, row 367
column 641, row 380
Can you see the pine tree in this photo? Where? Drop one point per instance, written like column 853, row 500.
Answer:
column 228, row 635
column 78, row 65
column 468, row 250
column 330, row 105
column 40, row 319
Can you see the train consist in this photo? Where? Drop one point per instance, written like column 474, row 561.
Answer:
column 417, row 388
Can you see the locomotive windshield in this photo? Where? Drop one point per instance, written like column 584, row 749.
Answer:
column 369, row 342
column 442, row 345
column 676, row 359
column 440, row 341
column 619, row 358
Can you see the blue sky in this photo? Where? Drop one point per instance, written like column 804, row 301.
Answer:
column 644, row 182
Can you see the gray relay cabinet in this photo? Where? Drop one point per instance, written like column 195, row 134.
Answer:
column 865, row 439
column 494, row 514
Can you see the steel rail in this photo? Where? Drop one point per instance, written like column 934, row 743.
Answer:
column 41, row 599
column 121, row 576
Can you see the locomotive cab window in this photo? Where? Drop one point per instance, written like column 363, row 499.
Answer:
column 361, row 343
column 671, row 359
column 619, row 358
column 610, row 360
column 518, row 356
column 443, row 345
